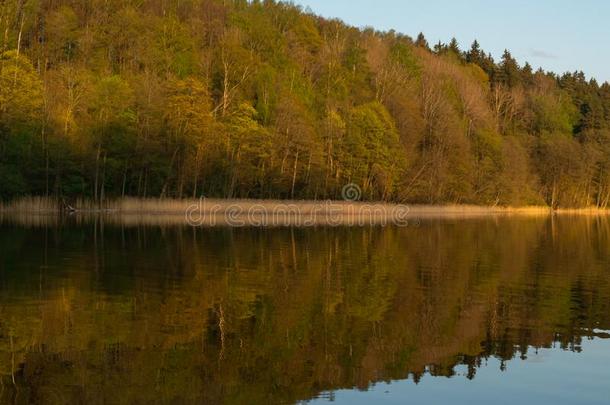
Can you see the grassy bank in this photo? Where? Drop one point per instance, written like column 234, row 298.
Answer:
column 154, row 206
column 212, row 212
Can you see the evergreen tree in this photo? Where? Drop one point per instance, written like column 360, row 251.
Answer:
column 527, row 74
column 510, row 70
column 454, row 47
column 421, row 41
column 474, row 55
column 440, row 48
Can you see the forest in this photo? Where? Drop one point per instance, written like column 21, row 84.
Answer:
column 102, row 99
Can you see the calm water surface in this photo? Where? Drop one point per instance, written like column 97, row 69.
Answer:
column 499, row 310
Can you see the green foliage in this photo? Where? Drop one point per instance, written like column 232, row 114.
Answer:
column 112, row 99
column 402, row 53
column 21, row 90
column 553, row 113
column 261, row 99
column 13, row 184
column 372, row 150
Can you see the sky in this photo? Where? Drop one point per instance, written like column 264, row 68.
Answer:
column 557, row 35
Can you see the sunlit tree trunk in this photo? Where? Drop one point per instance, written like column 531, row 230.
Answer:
column 294, row 174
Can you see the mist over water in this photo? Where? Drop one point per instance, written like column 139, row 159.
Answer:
column 100, row 312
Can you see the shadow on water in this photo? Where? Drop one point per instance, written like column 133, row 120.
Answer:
column 108, row 313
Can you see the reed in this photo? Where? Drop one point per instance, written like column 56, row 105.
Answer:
column 130, row 206
column 30, row 204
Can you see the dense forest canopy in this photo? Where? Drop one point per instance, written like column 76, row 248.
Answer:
column 260, row 99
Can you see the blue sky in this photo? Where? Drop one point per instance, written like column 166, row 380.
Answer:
column 557, row 35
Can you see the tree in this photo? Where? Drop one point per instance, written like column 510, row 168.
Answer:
column 21, row 90
column 474, row 55
column 190, row 123
column 370, row 143
column 21, row 106
column 421, row 41
column 250, row 154
column 509, row 72
column 454, row 47
column 113, row 119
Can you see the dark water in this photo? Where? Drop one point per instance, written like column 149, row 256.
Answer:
column 498, row 310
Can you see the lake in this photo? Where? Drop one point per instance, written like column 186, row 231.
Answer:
column 494, row 309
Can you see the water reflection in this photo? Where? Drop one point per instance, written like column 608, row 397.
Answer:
column 100, row 313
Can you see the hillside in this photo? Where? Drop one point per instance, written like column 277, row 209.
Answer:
column 238, row 99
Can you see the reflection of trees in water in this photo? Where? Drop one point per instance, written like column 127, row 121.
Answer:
column 117, row 314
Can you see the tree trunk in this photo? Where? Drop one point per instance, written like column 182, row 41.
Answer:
column 124, row 182
column 97, row 172
column 554, row 195
column 103, row 186
column 46, row 152
column 294, row 174
column 169, row 174
column 225, row 86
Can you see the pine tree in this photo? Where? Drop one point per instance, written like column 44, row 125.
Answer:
column 454, row 47
column 439, row 48
column 510, row 70
column 527, row 74
column 474, row 54
column 421, row 41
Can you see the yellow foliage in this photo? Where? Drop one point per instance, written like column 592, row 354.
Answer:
column 21, row 95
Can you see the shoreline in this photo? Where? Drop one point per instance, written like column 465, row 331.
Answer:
column 260, row 213
column 157, row 206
